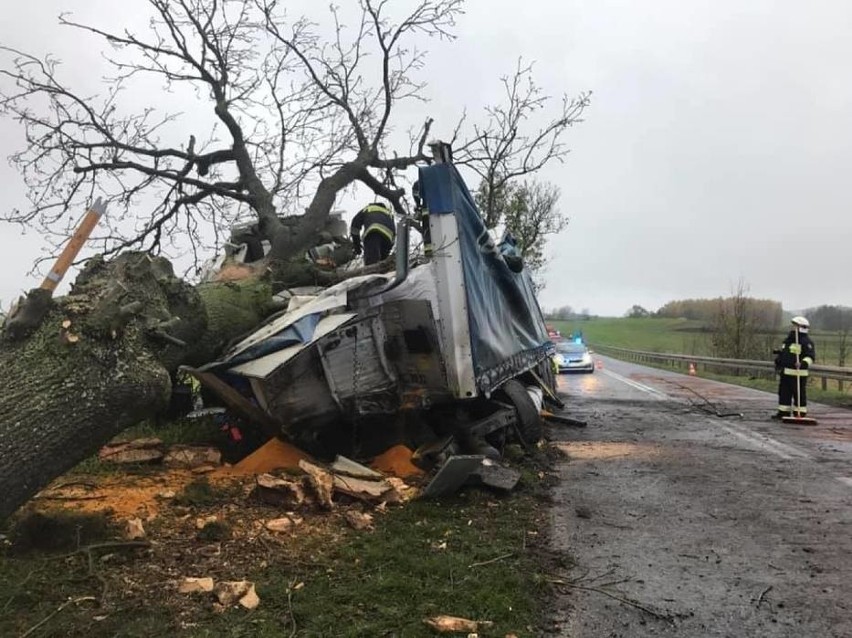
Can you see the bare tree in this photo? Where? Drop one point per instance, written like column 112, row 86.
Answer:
column 737, row 325
column 298, row 117
column 511, row 144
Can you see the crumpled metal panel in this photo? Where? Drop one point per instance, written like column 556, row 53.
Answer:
column 354, row 360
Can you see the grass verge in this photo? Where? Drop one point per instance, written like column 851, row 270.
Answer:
column 477, row 554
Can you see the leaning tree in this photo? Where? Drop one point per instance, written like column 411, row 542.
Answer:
column 301, row 112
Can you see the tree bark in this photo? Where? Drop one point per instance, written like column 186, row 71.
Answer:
column 100, row 360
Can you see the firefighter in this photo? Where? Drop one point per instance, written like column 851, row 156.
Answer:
column 793, row 359
column 379, row 232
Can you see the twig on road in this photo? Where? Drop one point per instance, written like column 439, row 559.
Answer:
column 626, row 601
column 707, row 405
column 762, row 594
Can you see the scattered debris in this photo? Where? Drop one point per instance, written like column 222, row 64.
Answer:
column 343, row 465
column 284, row 524
column 192, row 456
column 191, row 585
column 133, row 529
column 491, row 560
column 358, row 520
column 321, row 481
column 201, row 523
column 561, row 419
column 281, row 492
column 241, row 592
column 147, row 450
column 452, row 474
column 704, row 404
column 455, row 624
column 405, row 491
column 370, row 491
column 760, row 598
column 583, row 512
column 495, row 476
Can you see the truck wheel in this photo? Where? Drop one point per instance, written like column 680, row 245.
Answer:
column 529, row 420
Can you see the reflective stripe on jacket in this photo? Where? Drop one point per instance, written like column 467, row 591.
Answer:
column 792, row 353
column 374, row 218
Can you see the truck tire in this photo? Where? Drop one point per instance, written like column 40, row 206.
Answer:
column 529, row 420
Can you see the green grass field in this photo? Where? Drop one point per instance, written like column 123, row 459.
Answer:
column 679, row 336
column 683, row 336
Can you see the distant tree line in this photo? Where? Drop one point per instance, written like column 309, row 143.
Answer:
column 834, row 318
column 567, row 313
column 637, row 312
column 764, row 314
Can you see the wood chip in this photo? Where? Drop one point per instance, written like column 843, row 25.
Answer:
column 190, row 585
column 358, row 520
column 133, row 529
column 240, row 592
column 455, row 624
column 284, row 524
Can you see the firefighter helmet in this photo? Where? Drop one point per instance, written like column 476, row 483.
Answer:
column 801, row 323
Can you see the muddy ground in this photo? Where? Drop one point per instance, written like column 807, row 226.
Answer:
column 681, row 523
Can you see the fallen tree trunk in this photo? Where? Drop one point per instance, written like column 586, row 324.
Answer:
column 86, row 366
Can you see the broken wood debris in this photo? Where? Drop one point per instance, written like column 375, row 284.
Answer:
column 281, row 492
column 192, row 456
column 370, row 491
column 455, row 624
column 348, row 467
column 147, row 450
column 133, row 529
column 238, row 592
column 283, row 524
column 358, row 520
column 192, row 585
column 321, row 482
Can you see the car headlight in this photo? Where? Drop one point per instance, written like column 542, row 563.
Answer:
column 587, row 358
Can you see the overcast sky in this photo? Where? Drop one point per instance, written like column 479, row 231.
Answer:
column 717, row 146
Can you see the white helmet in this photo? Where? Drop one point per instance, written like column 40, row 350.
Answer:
column 801, row 323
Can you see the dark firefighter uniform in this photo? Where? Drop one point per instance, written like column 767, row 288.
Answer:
column 379, row 232
column 792, row 362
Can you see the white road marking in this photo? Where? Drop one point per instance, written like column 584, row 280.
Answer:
column 764, row 442
column 756, row 439
column 661, row 396
column 846, row 480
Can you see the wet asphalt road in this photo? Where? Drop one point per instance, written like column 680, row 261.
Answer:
column 675, row 522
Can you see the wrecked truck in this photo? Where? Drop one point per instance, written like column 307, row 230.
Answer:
column 451, row 352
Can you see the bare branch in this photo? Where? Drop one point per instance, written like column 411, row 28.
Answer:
column 509, row 145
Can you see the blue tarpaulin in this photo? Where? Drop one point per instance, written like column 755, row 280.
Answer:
column 507, row 329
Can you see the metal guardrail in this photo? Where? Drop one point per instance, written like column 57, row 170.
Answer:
column 822, row 372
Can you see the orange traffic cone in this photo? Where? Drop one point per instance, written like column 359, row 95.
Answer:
column 599, row 364
column 691, row 369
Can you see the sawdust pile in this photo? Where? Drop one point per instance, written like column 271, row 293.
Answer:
column 397, row 462
column 275, row 454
